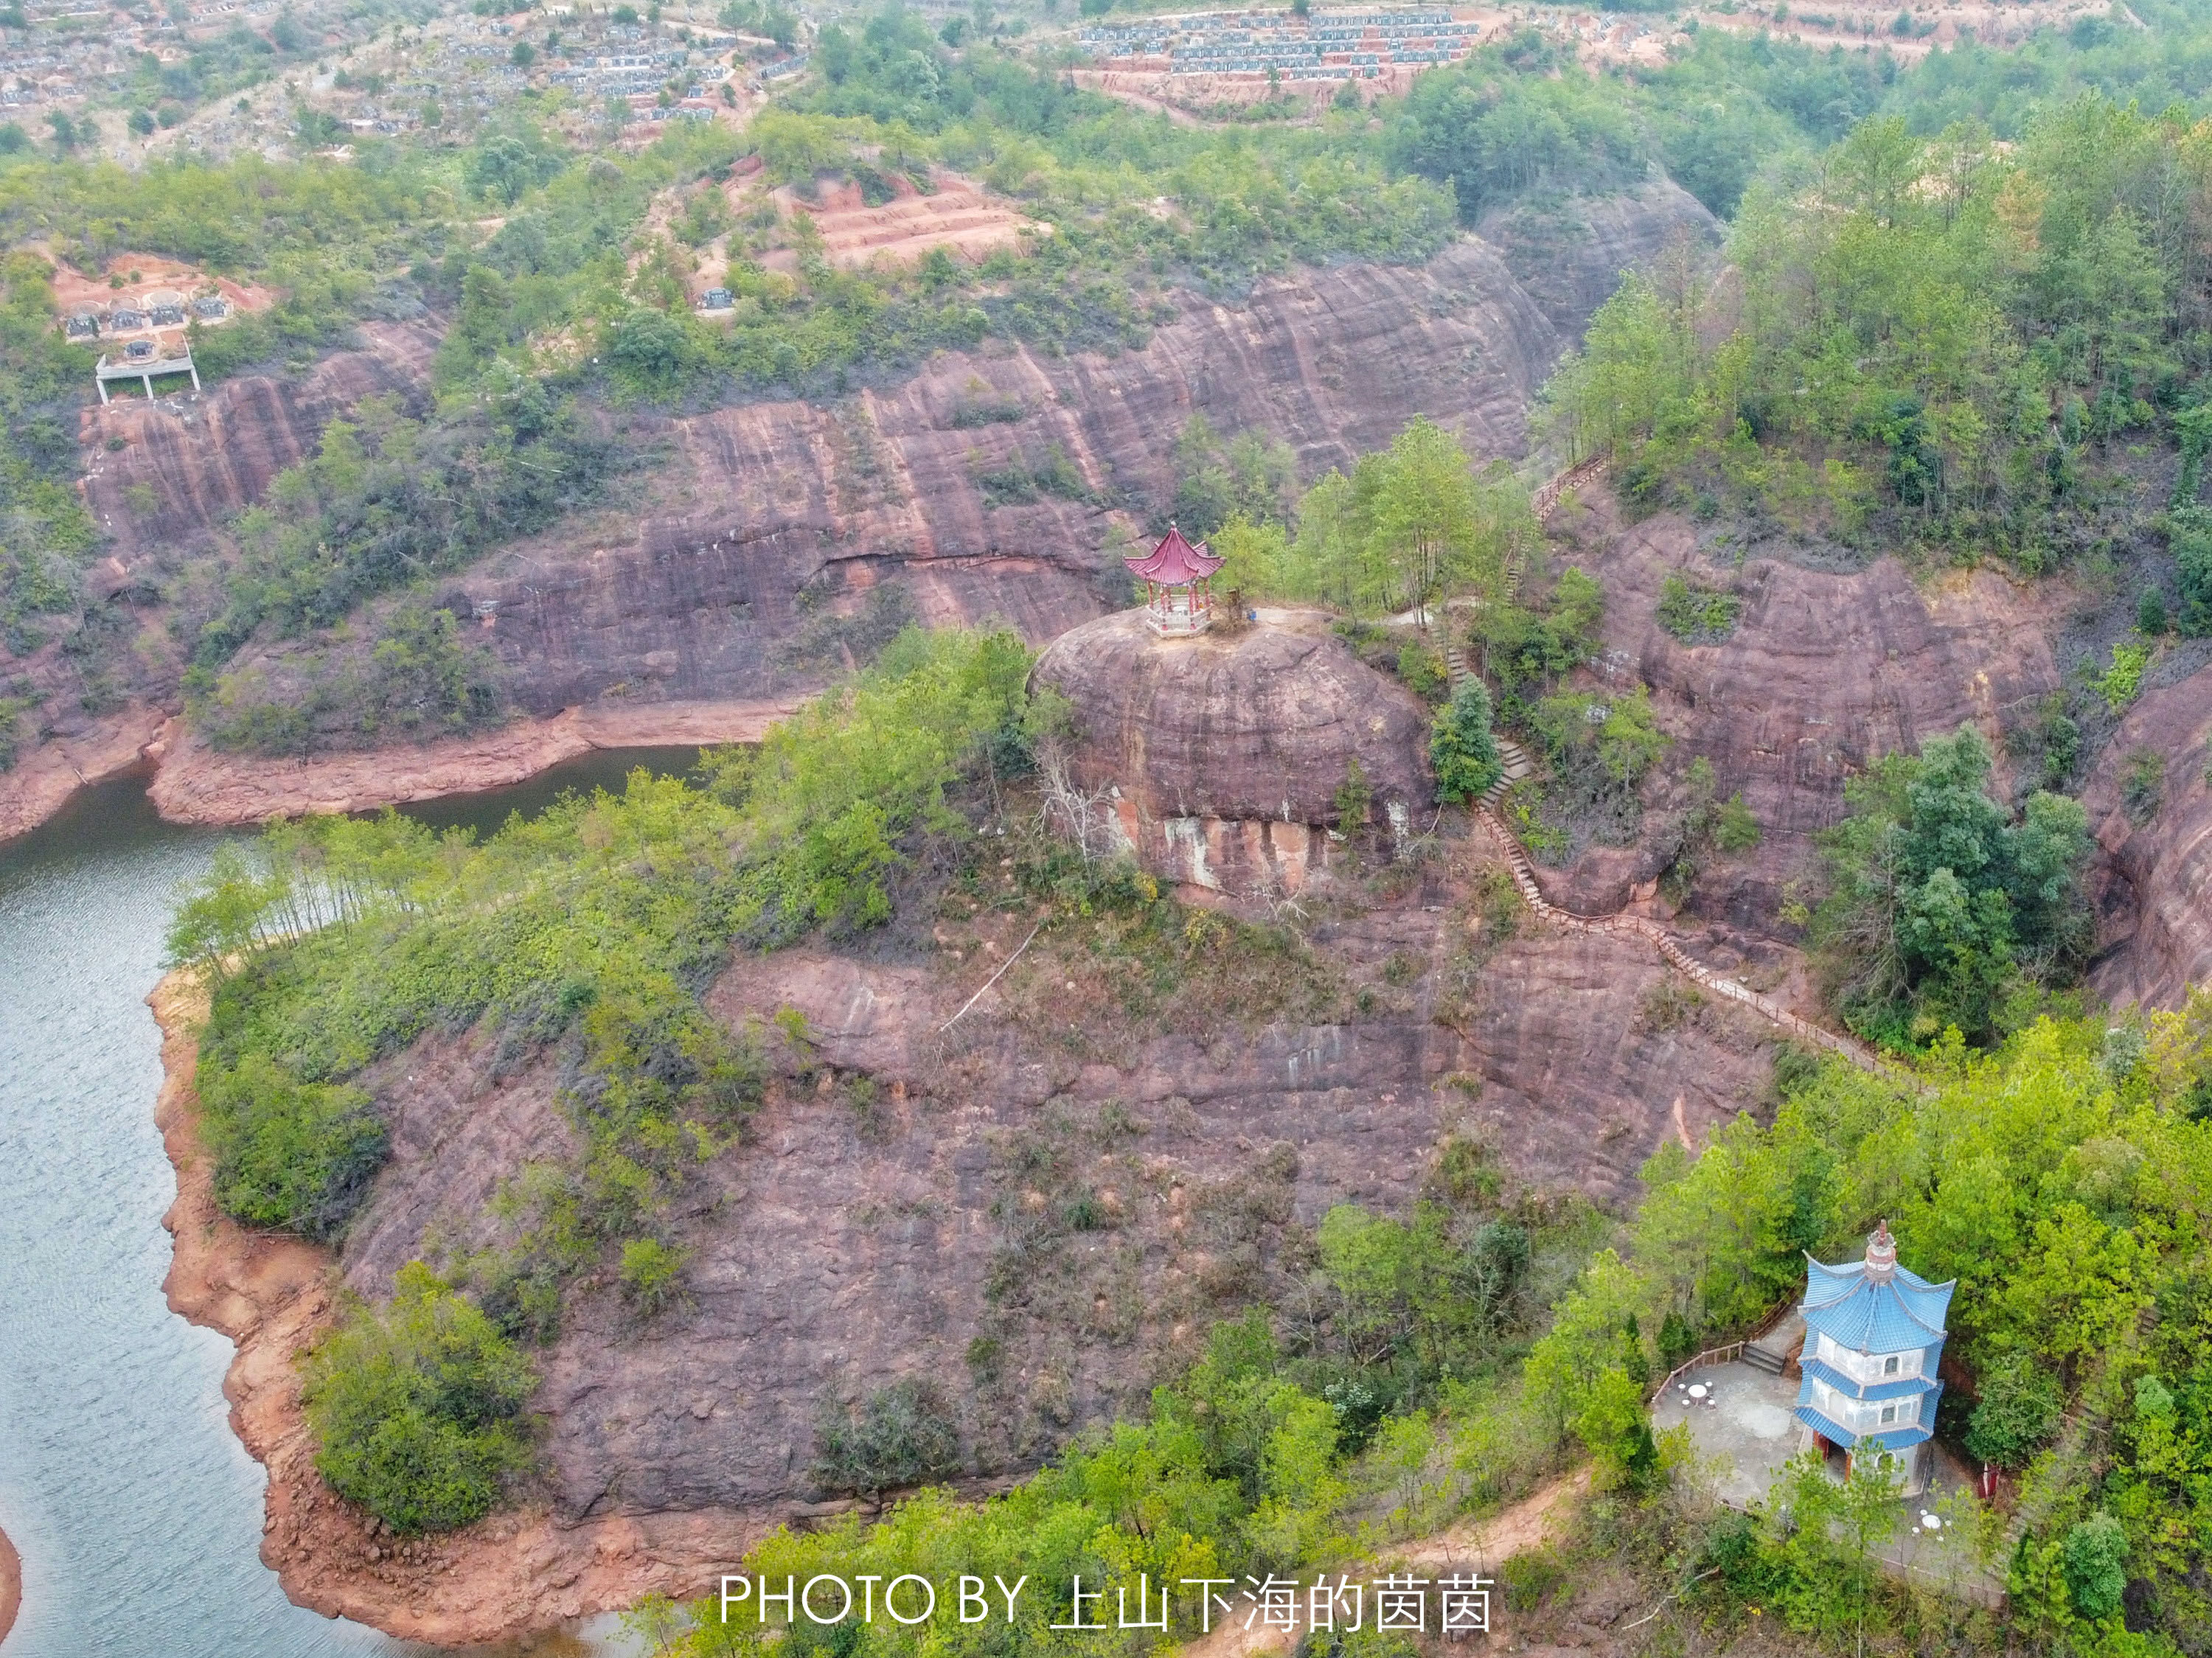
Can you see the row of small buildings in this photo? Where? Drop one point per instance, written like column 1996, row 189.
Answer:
column 144, row 316
column 1328, row 44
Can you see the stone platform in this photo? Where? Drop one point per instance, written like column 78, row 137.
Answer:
column 1741, row 1425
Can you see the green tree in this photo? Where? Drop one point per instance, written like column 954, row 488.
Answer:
column 2018, row 1410
column 1937, row 903
column 417, row 1412
column 1614, row 1428
column 1462, row 747
column 2096, row 1562
column 1427, row 523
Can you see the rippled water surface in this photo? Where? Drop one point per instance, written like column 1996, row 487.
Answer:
column 137, row 1511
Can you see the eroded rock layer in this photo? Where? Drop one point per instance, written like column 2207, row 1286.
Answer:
column 780, row 539
column 794, row 519
column 161, row 477
column 1823, row 672
column 2154, row 881
column 895, row 1209
column 1220, row 760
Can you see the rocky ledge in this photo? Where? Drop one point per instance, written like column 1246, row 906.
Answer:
column 11, row 1585
column 517, row 1572
column 193, row 783
column 2153, row 884
column 777, row 537
column 1220, row 760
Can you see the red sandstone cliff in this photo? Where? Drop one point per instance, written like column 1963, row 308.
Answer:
column 763, row 541
column 1218, row 759
column 2155, row 900
column 1824, row 671
column 855, row 1236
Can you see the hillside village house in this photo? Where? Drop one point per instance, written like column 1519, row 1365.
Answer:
column 1874, row 1337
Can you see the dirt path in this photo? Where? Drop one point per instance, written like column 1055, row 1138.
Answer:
column 11, row 1585
column 1475, row 1545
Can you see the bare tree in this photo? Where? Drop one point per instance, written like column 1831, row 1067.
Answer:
column 1082, row 818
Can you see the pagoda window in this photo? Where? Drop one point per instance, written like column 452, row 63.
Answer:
column 1889, row 1365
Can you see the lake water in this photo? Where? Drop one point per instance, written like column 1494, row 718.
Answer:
column 137, row 1511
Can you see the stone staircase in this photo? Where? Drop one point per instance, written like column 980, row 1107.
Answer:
column 1772, row 1350
column 1511, row 755
column 1518, row 765
column 1637, row 926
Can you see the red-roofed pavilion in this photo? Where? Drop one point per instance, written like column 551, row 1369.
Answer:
column 1178, row 580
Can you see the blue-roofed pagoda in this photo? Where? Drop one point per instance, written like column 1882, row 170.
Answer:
column 1178, row 578
column 1873, row 1336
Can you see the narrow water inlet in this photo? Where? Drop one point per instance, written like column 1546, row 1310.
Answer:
column 137, row 1513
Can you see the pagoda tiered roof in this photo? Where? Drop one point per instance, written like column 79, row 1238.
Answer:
column 1175, row 562
column 1872, row 1313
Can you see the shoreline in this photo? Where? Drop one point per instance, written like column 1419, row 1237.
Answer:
column 516, row 1572
column 50, row 776
column 192, row 784
column 11, row 1585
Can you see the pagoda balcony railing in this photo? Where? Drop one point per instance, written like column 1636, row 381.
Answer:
column 1180, row 624
column 1172, row 621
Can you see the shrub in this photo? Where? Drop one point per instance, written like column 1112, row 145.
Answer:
column 1622, row 736
column 1735, row 830
column 1462, row 747
column 416, row 1413
column 1694, row 614
column 2122, row 683
column 1423, row 671
column 2190, row 534
column 903, row 1434
column 12, row 710
column 291, row 1154
column 1528, row 1576
column 652, row 1273
column 2096, row 1562
column 2142, row 785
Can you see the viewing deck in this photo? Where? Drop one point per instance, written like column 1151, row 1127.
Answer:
column 145, row 369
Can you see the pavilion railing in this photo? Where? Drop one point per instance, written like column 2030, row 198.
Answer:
column 1712, row 1356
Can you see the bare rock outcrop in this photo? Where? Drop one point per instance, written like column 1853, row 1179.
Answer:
column 515, row 1572
column 1218, row 759
column 196, row 784
column 1823, row 672
column 161, row 477
column 868, row 1228
column 782, row 539
column 2154, row 883
column 1571, row 254
column 790, row 528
